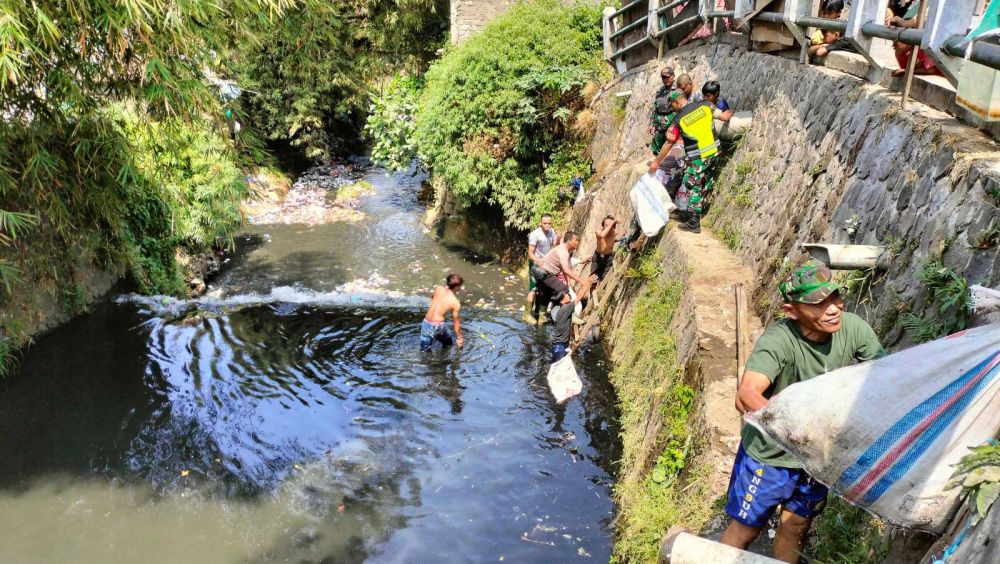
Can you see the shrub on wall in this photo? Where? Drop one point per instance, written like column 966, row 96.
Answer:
column 495, row 118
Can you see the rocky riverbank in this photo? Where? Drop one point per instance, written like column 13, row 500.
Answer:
column 322, row 194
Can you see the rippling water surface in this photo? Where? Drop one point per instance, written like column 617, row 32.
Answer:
column 290, row 416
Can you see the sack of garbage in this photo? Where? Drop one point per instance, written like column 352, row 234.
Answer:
column 885, row 434
column 563, row 380
column 651, row 203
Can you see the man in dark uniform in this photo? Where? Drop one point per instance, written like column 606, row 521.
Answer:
column 663, row 113
column 693, row 123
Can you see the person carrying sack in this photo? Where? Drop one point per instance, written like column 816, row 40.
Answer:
column 815, row 337
column 693, row 123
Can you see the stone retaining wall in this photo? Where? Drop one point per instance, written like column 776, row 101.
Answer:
column 830, row 158
column 470, row 16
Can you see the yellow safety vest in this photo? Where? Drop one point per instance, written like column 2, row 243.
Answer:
column 697, row 125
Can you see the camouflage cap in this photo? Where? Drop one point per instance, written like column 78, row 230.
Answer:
column 667, row 71
column 674, row 94
column 810, row 283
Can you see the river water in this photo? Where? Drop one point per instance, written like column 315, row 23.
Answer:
column 290, row 416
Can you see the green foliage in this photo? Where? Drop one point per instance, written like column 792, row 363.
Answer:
column 648, row 380
column 197, row 176
column 921, row 329
column 988, row 238
column 498, row 110
column 843, row 533
column 949, row 306
column 308, row 78
column 978, row 473
column 8, row 357
column 647, row 267
column 390, row 123
column 73, row 298
column 730, row 236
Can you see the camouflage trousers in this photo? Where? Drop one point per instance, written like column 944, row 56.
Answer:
column 698, row 180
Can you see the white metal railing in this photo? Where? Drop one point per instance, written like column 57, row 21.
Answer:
column 942, row 35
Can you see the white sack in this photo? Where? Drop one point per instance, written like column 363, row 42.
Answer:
column 563, row 380
column 885, row 434
column 651, row 203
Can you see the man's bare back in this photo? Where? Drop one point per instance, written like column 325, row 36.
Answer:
column 443, row 300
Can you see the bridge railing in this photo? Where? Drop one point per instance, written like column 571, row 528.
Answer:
column 644, row 29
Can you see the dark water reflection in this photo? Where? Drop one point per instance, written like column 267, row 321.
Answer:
column 300, row 432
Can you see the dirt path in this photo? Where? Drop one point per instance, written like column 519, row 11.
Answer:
column 714, row 271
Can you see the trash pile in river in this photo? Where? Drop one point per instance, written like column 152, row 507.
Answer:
column 322, row 194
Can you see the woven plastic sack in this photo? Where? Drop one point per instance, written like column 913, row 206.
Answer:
column 563, row 380
column 885, row 434
column 652, row 204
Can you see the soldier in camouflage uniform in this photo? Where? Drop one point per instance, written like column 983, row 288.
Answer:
column 693, row 124
column 663, row 113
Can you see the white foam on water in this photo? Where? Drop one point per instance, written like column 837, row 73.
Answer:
column 352, row 294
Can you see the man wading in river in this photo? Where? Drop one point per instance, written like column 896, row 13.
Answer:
column 540, row 242
column 443, row 300
column 815, row 338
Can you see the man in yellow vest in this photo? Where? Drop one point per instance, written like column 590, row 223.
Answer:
column 693, row 124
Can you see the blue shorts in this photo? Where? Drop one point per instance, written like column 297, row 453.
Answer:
column 430, row 332
column 756, row 490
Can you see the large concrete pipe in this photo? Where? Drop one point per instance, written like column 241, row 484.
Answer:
column 681, row 547
column 738, row 125
column 849, row 257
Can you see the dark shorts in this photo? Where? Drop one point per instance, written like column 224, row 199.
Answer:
column 559, row 351
column 601, row 264
column 430, row 332
column 756, row 490
column 550, row 286
column 531, row 279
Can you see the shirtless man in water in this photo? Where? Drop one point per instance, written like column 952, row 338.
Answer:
column 604, row 252
column 443, row 300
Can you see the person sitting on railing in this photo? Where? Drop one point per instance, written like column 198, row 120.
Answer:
column 822, row 42
column 710, row 91
column 903, row 13
column 693, row 123
column 686, row 84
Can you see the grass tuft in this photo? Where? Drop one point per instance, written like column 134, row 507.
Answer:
column 648, row 379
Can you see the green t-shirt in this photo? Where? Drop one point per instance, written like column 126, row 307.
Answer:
column 785, row 356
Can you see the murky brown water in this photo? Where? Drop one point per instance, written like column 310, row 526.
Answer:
column 290, row 416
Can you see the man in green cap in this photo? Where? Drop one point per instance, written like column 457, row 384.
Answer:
column 815, row 337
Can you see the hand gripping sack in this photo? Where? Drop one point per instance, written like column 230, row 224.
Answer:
column 563, row 380
column 652, row 204
column 885, row 434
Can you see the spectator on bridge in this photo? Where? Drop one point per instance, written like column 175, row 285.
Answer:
column 823, row 42
column 710, row 91
column 903, row 13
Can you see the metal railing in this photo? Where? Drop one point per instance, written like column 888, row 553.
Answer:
column 941, row 36
column 655, row 18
